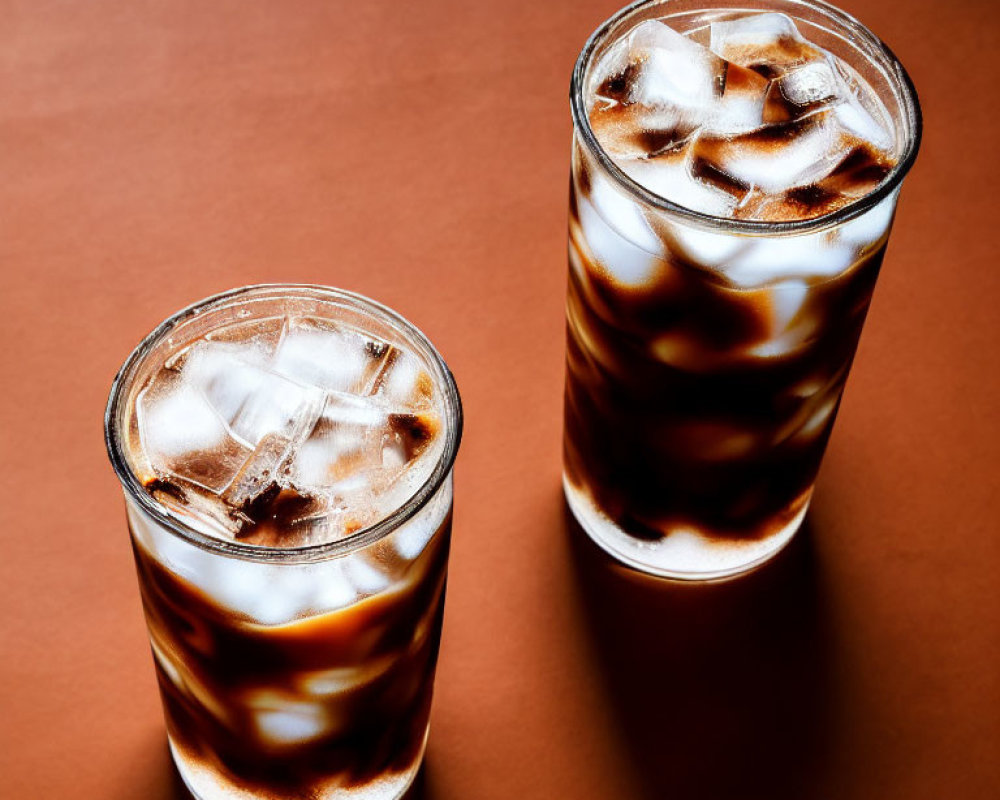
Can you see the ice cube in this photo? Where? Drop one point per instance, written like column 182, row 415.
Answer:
column 629, row 129
column 818, row 419
column 282, row 721
column 767, row 43
column 165, row 662
column 676, row 179
column 411, row 539
column 777, row 157
column 659, row 68
column 413, row 536
column 776, row 258
column 636, row 132
column 786, row 301
column 741, row 107
column 624, row 262
column 333, row 590
column 260, row 472
column 673, row 70
column 683, row 351
column 330, row 358
column 345, row 440
column 803, row 90
column 652, row 91
column 860, row 111
column 328, row 682
column 183, row 436
column 856, row 119
column 616, row 232
column 871, row 226
column 341, row 410
column 364, row 576
column 703, row 246
column 225, row 372
column 393, row 453
column 277, row 405
column 809, row 84
column 337, row 680
column 270, row 594
column 195, row 506
column 181, row 557
column 788, row 328
column 239, row 585
column 403, row 383
column 391, row 490
column 256, row 340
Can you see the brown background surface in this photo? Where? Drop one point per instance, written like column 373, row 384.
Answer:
column 152, row 153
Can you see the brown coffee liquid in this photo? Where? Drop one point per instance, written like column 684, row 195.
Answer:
column 347, row 692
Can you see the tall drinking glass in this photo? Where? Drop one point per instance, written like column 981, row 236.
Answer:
column 734, row 180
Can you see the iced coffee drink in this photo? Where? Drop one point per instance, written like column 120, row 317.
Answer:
column 286, row 455
column 734, row 179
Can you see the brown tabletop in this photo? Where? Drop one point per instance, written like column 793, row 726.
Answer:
column 154, row 153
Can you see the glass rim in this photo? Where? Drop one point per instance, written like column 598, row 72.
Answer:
column 859, row 33
column 309, row 553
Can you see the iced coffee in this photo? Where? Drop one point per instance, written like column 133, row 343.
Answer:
column 734, row 179
column 286, row 454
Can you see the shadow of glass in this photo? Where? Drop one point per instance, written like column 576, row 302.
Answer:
column 720, row 690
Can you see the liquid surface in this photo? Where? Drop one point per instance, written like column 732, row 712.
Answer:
column 756, row 123
column 285, row 432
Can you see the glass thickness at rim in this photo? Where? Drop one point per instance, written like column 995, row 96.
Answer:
column 274, row 291
column 859, row 35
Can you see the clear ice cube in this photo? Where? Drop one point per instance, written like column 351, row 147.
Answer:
column 673, row 179
column 810, row 84
column 859, row 113
column 779, row 157
column 653, row 91
column 672, row 70
column 329, row 358
column 227, row 374
column 283, row 721
column 183, row 436
column 770, row 43
column 786, row 301
column 364, row 576
column 277, row 405
column 345, row 441
column 779, row 258
column 262, row 470
column 619, row 216
column 403, row 383
column 623, row 260
column 703, row 246
column 871, row 226
column 741, row 106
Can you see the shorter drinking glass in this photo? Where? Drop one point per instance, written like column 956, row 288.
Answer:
column 286, row 455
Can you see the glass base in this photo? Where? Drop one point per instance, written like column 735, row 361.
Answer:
column 683, row 554
column 205, row 783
